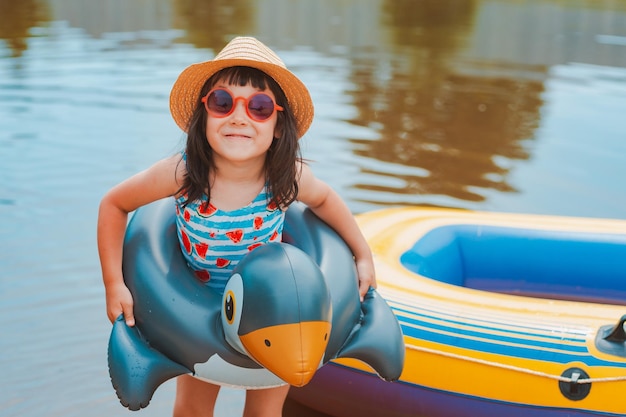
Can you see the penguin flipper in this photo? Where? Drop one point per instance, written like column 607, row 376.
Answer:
column 378, row 342
column 136, row 369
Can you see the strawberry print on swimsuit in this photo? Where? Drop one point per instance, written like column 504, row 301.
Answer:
column 214, row 241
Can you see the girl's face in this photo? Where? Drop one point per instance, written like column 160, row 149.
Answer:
column 237, row 137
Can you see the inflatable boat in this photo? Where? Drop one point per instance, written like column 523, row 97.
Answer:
column 502, row 315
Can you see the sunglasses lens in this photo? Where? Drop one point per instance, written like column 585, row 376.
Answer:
column 220, row 102
column 261, row 106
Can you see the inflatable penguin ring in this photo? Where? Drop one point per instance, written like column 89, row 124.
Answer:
column 287, row 309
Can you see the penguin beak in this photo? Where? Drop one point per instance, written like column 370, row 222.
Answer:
column 293, row 352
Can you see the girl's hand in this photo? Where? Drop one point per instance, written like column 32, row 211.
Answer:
column 120, row 301
column 367, row 276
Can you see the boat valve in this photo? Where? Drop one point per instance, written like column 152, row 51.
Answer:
column 611, row 339
column 618, row 334
column 572, row 388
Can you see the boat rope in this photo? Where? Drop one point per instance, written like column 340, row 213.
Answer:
column 517, row 368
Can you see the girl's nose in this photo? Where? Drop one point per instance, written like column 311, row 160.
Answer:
column 239, row 113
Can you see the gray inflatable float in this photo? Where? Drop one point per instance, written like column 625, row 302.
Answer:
column 287, row 309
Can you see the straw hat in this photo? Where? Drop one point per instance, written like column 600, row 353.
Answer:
column 247, row 52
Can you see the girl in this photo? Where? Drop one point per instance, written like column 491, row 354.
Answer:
column 244, row 113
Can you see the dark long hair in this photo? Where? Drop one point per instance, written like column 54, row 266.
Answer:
column 281, row 161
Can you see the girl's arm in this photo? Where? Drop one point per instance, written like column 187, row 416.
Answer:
column 159, row 181
column 329, row 206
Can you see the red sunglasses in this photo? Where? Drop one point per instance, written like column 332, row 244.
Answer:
column 220, row 102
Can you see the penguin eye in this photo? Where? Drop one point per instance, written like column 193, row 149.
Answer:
column 229, row 307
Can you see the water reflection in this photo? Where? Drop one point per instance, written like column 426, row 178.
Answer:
column 210, row 24
column 17, row 18
column 439, row 26
column 453, row 130
column 450, row 127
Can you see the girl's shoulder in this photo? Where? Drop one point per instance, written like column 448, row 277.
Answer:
column 311, row 190
column 177, row 164
column 305, row 175
column 168, row 172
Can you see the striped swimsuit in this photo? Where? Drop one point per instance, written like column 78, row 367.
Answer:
column 214, row 241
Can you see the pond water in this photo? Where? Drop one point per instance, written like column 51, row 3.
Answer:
column 493, row 105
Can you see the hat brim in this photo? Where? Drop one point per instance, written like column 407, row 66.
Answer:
column 186, row 90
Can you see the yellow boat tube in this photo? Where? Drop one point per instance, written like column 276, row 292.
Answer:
column 502, row 315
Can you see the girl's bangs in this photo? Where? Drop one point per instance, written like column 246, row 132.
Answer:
column 242, row 76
